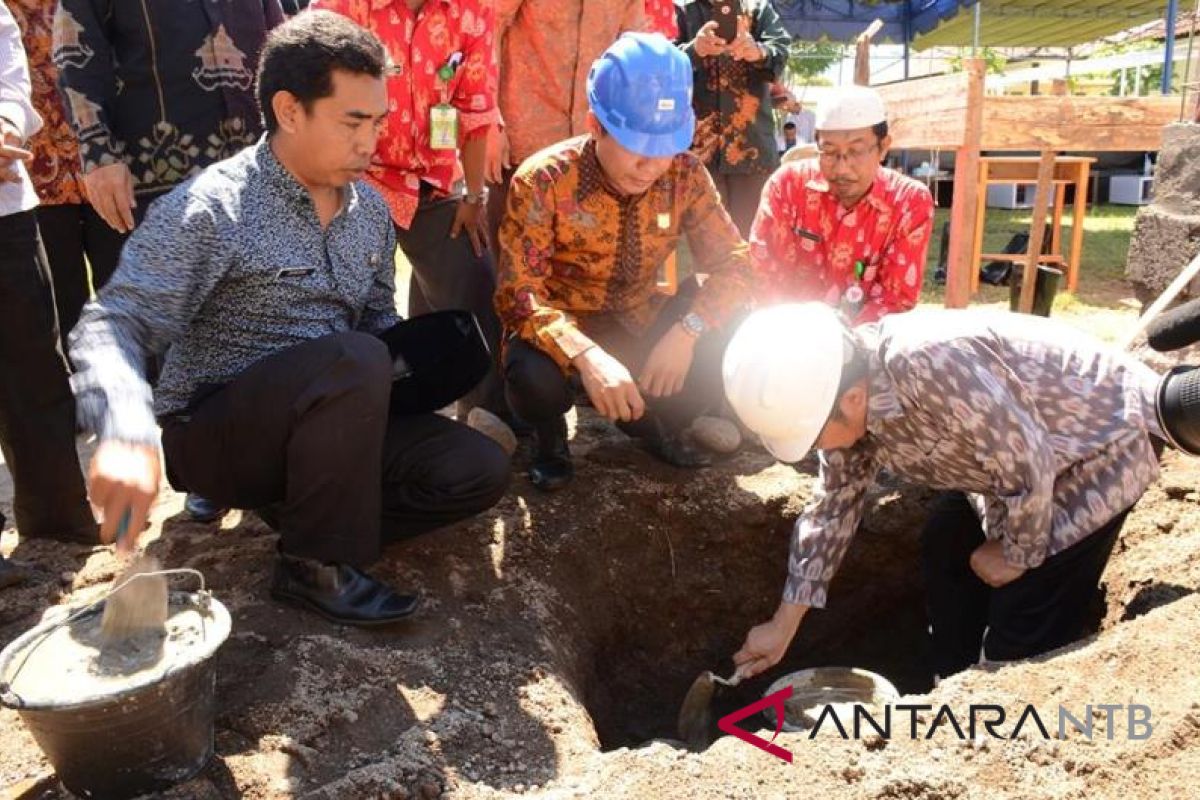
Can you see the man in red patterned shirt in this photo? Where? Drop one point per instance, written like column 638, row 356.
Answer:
column 841, row 228
column 442, row 98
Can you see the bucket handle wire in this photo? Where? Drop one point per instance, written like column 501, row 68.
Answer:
column 203, row 597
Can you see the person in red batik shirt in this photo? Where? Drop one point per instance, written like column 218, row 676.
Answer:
column 442, row 97
column 842, row 228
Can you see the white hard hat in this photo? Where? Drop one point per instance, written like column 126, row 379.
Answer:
column 782, row 370
column 850, row 108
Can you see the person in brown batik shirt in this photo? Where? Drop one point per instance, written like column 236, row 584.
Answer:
column 589, row 222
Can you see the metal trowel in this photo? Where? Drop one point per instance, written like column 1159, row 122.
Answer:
column 695, row 715
column 138, row 602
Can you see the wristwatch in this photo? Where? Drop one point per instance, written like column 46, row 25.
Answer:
column 479, row 199
column 693, row 325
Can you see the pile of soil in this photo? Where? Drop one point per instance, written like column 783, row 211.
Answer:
column 562, row 632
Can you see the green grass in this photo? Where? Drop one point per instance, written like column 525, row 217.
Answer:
column 1106, row 234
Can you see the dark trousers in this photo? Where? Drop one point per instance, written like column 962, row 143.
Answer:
column 497, row 205
column 37, row 410
column 446, row 274
column 1042, row 610
column 72, row 233
column 539, row 392
column 741, row 195
column 307, row 431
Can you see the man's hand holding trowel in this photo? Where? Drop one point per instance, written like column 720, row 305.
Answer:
column 123, row 478
column 124, row 482
column 766, row 643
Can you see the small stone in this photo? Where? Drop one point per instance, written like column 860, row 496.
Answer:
column 520, row 787
column 494, row 428
column 429, row 790
column 874, row 742
column 490, row 710
column 67, row 578
column 716, row 434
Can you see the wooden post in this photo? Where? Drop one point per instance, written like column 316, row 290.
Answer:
column 862, row 53
column 1060, row 201
column 966, row 193
column 1037, row 230
column 980, row 220
column 1079, row 211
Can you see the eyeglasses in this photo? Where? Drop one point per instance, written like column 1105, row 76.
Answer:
column 854, row 154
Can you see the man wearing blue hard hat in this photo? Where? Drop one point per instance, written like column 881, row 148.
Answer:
column 589, row 222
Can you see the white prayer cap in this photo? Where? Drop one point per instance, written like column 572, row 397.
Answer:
column 849, row 109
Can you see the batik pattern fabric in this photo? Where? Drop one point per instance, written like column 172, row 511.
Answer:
column 458, row 33
column 805, row 245
column 735, row 125
column 547, row 50
column 164, row 86
column 55, row 169
column 660, row 18
column 572, row 249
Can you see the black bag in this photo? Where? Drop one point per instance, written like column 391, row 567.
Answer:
column 437, row 358
column 998, row 273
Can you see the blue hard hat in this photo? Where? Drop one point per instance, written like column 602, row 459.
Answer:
column 641, row 91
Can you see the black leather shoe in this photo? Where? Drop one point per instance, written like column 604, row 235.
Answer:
column 677, row 451
column 552, row 469
column 339, row 593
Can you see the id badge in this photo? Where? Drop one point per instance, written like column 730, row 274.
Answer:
column 443, row 127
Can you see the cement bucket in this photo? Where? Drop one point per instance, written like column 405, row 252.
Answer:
column 139, row 732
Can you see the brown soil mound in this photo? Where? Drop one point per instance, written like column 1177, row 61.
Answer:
column 562, row 632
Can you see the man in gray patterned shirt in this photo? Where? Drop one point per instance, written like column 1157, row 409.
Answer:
column 1043, row 438
column 266, row 281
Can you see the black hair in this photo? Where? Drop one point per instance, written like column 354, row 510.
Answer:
column 301, row 55
column 856, row 366
column 789, row 126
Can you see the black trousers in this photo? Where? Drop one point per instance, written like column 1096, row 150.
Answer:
column 1042, row 610
column 539, row 392
column 446, row 274
column 72, row 233
column 37, row 410
column 307, row 431
column 741, row 195
column 497, row 205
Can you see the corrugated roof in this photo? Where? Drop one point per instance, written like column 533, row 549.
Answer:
column 1039, row 23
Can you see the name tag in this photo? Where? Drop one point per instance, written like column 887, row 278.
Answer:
column 294, row 272
column 443, row 127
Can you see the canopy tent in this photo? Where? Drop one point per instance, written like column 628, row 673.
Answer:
column 843, row 20
column 1038, row 23
column 922, row 24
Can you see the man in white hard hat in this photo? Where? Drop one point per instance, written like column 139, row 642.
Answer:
column 843, row 229
column 1042, row 438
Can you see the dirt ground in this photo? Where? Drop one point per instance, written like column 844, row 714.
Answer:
column 561, row 633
